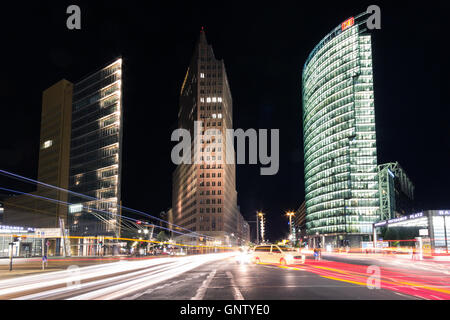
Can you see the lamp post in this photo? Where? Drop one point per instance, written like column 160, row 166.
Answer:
column 290, row 214
column 260, row 215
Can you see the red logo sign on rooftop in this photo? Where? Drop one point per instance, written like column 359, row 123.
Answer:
column 347, row 23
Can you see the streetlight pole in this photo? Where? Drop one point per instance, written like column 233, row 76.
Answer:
column 261, row 215
column 257, row 228
column 290, row 214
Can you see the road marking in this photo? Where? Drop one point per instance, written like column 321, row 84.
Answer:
column 202, row 290
column 137, row 295
column 403, row 295
column 236, row 292
column 344, row 280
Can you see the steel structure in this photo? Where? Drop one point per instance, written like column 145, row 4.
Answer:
column 387, row 173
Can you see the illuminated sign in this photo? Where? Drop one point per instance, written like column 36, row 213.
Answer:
column 400, row 219
column 8, row 229
column 444, row 213
column 380, row 224
column 347, row 23
column 74, row 208
column 416, row 215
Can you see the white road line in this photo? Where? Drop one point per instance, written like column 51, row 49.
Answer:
column 202, row 290
column 236, row 293
column 401, row 294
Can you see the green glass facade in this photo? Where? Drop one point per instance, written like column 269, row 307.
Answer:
column 341, row 182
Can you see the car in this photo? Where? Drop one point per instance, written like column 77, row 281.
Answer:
column 277, row 254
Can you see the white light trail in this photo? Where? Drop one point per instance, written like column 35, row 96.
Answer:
column 116, row 285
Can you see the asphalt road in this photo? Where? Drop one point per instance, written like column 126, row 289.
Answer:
column 219, row 277
column 226, row 280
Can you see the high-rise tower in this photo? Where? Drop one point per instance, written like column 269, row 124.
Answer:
column 341, row 183
column 54, row 155
column 204, row 192
column 95, row 155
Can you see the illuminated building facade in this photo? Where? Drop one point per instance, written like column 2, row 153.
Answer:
column 95, row 156
column 54, row 155
column 341, row 182
column 204, row 191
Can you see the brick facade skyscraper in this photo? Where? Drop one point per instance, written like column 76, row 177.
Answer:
column 204, row 194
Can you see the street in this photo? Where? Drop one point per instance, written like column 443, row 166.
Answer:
column 219, row 277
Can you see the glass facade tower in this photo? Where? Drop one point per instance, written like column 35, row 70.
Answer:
column 95, row 157
column 341, row 182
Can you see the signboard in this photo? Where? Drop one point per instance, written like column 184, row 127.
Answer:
column 423, row 232
column 49, row 232
column 347, row 23
column 400, row 219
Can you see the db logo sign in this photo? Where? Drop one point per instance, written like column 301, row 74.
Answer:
column 347, row 23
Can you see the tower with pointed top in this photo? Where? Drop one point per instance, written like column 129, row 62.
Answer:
column 204, row 192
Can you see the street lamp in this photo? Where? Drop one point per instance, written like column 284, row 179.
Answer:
column 260, row 215
column 290, row 214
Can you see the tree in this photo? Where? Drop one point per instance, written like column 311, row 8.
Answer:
column 162, row 236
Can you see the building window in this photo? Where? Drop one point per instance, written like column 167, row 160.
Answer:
column 202, row 75
column 47, row 144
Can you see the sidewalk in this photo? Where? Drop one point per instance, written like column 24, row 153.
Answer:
column 30, row 266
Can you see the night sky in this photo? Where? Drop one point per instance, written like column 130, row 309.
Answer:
column 264, row 46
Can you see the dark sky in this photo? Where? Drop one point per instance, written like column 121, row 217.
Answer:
column 264, row 46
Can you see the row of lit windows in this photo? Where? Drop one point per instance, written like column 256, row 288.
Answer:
column 319, row 207
column 340, row 229
column 211, row 99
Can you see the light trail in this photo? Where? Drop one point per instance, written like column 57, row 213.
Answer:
column 431, row 285
column 105, row 281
